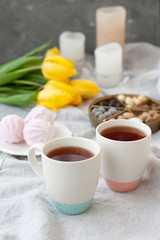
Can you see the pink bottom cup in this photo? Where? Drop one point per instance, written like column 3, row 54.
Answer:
column 122, row 187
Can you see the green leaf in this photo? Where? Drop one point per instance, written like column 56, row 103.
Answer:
column 39, row 49
column 22, row 100
column 13, row 89
column 6, row 78
column 37, row 61
column 17, row 63
column 37, row 78
column 25, row 82
column 21, row 79
column 20, row 62
column 6, row 89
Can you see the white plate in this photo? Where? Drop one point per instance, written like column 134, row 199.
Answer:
column 21, row 149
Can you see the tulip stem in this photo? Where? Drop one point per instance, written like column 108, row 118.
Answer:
column 28, row 83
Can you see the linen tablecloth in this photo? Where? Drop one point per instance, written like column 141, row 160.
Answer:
column 26, row 210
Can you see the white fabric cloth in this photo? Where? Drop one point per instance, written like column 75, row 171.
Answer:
column 26, row 210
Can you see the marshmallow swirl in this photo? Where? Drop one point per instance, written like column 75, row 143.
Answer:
column 11, row 128
column 38, row 131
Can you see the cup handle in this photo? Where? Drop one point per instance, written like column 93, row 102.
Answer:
column 36, row 166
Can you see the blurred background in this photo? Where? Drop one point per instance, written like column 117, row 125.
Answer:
column 26, row 24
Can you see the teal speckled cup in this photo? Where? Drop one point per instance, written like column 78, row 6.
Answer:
column 71, row 184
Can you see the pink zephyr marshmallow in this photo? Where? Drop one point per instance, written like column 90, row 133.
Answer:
column 40, row 112
column 11, row 128
column 38, row 131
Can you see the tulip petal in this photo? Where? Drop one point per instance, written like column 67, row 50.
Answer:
column 53, row 98
column 52, row 52
column 76, row 97
column 51, row 70
column 57, row 94
column 60, row 60
column 86, row 88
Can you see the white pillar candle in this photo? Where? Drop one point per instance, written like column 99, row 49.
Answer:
column 108, row 64
column 72, row 45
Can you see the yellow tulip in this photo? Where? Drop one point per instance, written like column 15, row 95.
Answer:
column 53, row 99
column 58, row 94
column 57, row 72
column 52, row 52
column 86, row 88
column 60, row 60
column 53, row 55
column 56, row 67
column 58, row 91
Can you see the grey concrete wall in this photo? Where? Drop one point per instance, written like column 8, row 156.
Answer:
column 25, row 24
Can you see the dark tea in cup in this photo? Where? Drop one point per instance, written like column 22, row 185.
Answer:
column 123, row 133
column 70, row 154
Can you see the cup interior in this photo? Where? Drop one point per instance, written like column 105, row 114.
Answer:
column 75, row 142
column 124, row 123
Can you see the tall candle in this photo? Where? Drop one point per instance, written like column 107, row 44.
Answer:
column 110, row 25
column 108, row 64
column 72, row 46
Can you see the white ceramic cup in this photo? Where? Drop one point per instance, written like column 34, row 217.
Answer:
column 72, row 185
column 123, row 162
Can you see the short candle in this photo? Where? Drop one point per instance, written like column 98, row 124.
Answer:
column 72, row 45
column 108, row 64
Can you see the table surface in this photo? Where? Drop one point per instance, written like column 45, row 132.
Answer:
column 26, row 210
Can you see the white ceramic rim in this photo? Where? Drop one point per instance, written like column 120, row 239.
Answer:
column 95, row 151
column 122, row 122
